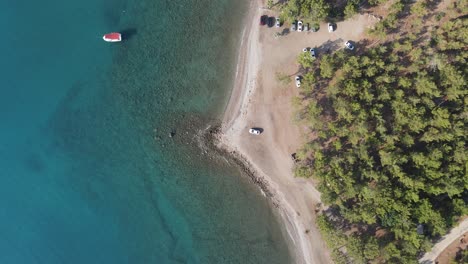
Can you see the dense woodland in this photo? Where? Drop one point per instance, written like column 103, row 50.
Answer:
column 388, row 126
column 320, row 10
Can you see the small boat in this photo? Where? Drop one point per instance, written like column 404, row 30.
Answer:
column 112, row 37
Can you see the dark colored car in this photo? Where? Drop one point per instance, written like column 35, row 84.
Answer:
column 271, row 21
column 263, row 20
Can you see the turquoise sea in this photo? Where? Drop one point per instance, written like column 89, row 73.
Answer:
column 88, row 172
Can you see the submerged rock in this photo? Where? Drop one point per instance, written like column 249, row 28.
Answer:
column 172, row 134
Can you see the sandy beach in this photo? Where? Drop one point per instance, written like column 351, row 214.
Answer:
column 259, row 100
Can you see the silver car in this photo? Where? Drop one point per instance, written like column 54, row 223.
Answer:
column 255, row 131
column 312, row 52
column 298, row 81
column 349, row 45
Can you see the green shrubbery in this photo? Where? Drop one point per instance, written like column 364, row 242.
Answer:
column 391, row 148
column 313, row 11
column 310, row 10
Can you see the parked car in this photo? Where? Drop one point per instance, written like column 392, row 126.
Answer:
column 299, row 26
column 305, row 49
column 349, row 45
column 271, row 21
column 331, row 28
column 312, row 52
column 293, row 26
column 306, row 27
column 255, row 131
column 263, row 20
column 298, row 81
column 278, row 22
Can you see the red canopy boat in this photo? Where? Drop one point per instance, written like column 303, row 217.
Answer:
column 112, row 37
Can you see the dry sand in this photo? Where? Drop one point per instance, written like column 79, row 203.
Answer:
column 258, row 100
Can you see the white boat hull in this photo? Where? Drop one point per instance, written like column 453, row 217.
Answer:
column 112, row 37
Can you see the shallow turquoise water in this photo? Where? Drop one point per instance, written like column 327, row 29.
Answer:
column 88, row 172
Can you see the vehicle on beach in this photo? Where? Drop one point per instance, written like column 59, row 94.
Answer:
column 255, row 131
column 331, row 28
column 306, row 27
column 299, row 26
column 298, row 81
column 278, row 22
column 349, row 45
column 293, row 26
column 271, row 21
column 312, row 52
column 263, row 20
column 112, row 37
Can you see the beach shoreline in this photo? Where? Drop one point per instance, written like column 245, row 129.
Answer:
column 296, row 210
column 257, row 99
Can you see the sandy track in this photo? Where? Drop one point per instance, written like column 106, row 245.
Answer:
column 258, row 100
column 455, row 233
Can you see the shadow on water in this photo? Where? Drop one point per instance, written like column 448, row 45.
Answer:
column 128, row 33
column 34, row 163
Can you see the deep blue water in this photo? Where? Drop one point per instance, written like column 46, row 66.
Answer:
column 88, row 172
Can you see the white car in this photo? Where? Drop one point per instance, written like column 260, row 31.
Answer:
column 298, row 81
column 305, row 49
column 330, row 27
column 349, row 45
column 299, row 26
column 278, row 22
column 255, row 131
